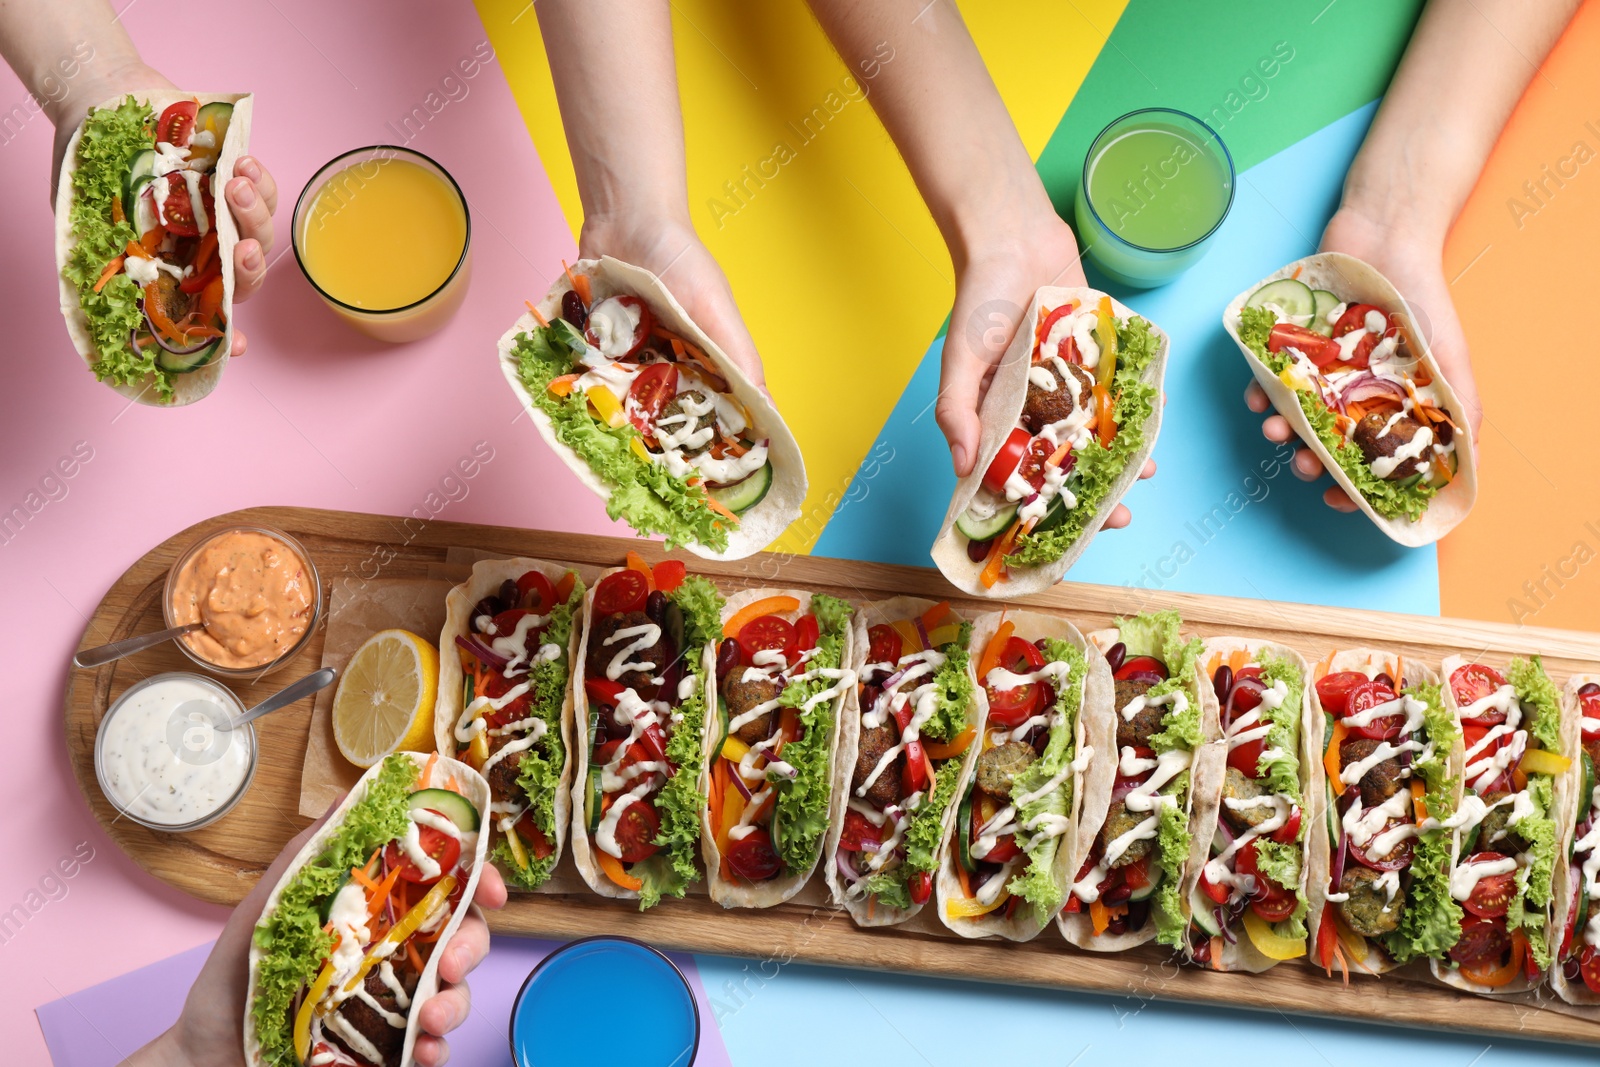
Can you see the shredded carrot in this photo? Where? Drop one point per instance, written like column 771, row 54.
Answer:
column 1344, row 967
column 579, row 282
column 371, row 866
column 966, row 883
column 375, row 905
column 427, row 769
column 735, row 446
column 116, row 210
column 871, row 905
column 411, row 951
column 997, row 556
column 111, row 271
column 1216, row 953
column 359, row 876
column 715, row 505
column 1237, row 659
column 1296, row 273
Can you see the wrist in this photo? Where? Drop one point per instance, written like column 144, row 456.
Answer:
column 103, row 76
column 633, row 231
column 994, row 212
column 165, row 1051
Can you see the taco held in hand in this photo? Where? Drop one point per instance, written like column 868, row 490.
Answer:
column 1337, row 351
column 144, row 241
column 349, row 943
column 1576, row 975
column 649, row 413
column 1068, row 422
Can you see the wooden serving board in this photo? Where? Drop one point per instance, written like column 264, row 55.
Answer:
column 222, row 862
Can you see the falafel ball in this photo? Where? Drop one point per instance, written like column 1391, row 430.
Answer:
column 1383, row 781
column 1119, row 820
column 371, row 1024
column 1374, row 443
column 741, row 696
column 1236, row 785
column 1136, row 732
column 502, row 777
column 886, row 787
column 1368, row 911
column 1045, row 406
column 692, row 423
column 998, row 766
column 605, row 646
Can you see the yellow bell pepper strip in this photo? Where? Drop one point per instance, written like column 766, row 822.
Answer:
column 420, row 913
column 772, row 605
column 302, row 1018
column 1269, row 942
column 971, row 909
column 1543, row 761
column 1331, row 757
column 954, row 747
column 733, row 803
column 613, row 868
column 479, row 750
column 910, row 640
column 995, row 649
column 606, row 405
column 1105, row 332
column 733, row 749
column 1100, row 915
column 518, row 853
column 944, row 635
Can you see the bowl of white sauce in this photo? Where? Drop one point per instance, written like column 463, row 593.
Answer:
column 165, row 758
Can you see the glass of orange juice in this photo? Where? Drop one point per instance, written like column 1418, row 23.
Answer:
column 383, row 235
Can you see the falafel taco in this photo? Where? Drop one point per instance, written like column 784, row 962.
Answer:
column 1068, row 422
column 1140, row 855
column 783, row 673
column 649, row 413
column 913, row 717
column 645, row 668
column 144, row 241
column 510, row 639
column 1575, row 977
column 1248, row 907
column 1015, row 846
column 1379, row 887
column 348, row 945
column 1337, row 350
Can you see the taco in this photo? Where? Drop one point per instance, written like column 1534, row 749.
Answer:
column 1575, row 978
column 1068, row 422
column 349, row 943
column 644, row 667
column 1507, row 827
column 1338, row 352
column 1015, row 846
column 144, row 241
column 783, row 672
column 1248, row 907
column 1140, row 855
column 510, row 639
column 649, row 413
column 1379, row 887
column 911, row 719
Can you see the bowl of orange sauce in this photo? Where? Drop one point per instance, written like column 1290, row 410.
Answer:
column 257, row 594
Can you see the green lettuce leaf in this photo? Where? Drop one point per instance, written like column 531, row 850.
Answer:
column 1541, row 703
column 1157, row 634
column 643, row 493
column 1172, row 846
column 1431, row 922
column 111, row 136
column 1389, row 499
column 954, row 690
column 291, row 941
column 801, row 818
column 1037, row 883
column 1433, row 767
column 1097, row 467
column 1281, row 862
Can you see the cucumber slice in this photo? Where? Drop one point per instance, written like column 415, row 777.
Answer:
column 1054, row 515
column 214, row 116
column 141, row 172
column 1323, row 302
column 673, row 626
column 173, row 363
column 1334, row 829
column 447, row 802
column 326, row 908
column 1588, row 777
column 1292, row 297
column 592, row 798
column 722, row 730
column 1201, row 910
column 746, row 493
column 143, row 211
column 982, row 529
column 1145, row 892
column 964, row 833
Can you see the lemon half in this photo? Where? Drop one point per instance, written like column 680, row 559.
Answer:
column 384, row 702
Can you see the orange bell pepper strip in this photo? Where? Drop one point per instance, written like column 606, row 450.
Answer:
column 995, row 649
column 997, row 556
column 934, row 616
column 1100, row 915
column 772, row 605
column 613, row 868
column 112, row 270
column 565, row 585
column 562, row 385
column 1331, row 758
column 137, row 250
column 207, row 249
column 152, row 239
column 952, row 748
column 1105, row 421
column 210, row 301
column 1489, row 972
column 1419, row 803
column 636, row 563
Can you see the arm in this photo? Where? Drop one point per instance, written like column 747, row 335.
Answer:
column 73, row 55
column 618, row 93
column 1465, row 69
column 936, row 99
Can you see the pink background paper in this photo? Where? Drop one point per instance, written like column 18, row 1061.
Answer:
column 313, row 414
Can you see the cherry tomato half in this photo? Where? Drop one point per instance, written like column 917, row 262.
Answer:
column 178, row 211
column 1333, row 690
column 1320, row 350
column 1031, row 469
column 536, row 586
column 1397, row 859
column 768, row 633
column 1367, row 696
column 921, row 886
column 1589, row 967
column 858, row 830
column 752, row 858
column 1492, row 894
column 651, row 390
column 1247, row 697
column 620, row 591
column 807, row 633
column 1006, row 460
column 1355, row 318
column 176, row 124
column 885, row 644
column 636, row 831
column 436, row 844
column 1472, row 682
column 1012, row 707
column 528, row 829
column 1482, row 940
column 1271, row 902
column 1140, row 665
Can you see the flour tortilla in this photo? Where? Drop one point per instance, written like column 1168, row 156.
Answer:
column 1073, row 847
column 866, row 617
column 1243, row 955
column 760, row 525
column 476, row 790
column 582, row 854
column 1370, row 662
column 487, row 577
column 1570, row 803
column 196, row 385
column 723, row 889
column 1001, row 413
column 1358, row 282
column 1441, row 969
column 1102, row 735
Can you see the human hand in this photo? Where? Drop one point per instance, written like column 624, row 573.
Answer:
column 994, row 288
column 1416, row 268
column 671, row 250
column 252, row 194
column 209, row 1031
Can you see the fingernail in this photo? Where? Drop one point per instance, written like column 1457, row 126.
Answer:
column 248, row 167
column 252, row 259
column 958, row 456
column 244, row 194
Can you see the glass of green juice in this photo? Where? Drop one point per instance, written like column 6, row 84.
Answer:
column 1157, row 184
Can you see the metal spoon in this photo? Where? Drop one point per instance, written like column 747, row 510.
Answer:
column 311, row 683
column 103, row 654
